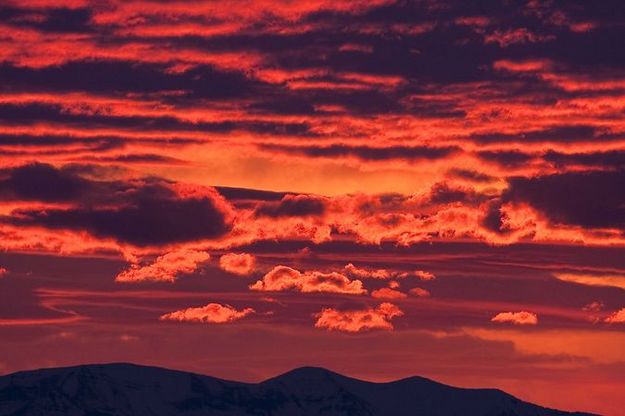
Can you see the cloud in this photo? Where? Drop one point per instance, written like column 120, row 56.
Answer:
column 150, row 221
column 283, row 278
column 242, row 264
column 594, row 306
column 602, row 280
column 596, row 159
column 516, row 318
column 165, row 268
column 41, row 182
column 358, row 320
column 368, row 153
column 365, row 273
column 141, row 212
column 32, row 113
column 107, row 75
column 560, row 133
column 510, row 158
column 388, row 293
column 587, row 199
column 90, row 85
column 293, row 206
column 419, row 274
column 617, row 317
column 245, row 194
column 515, row 36
column 213, row 313
column 419, row 292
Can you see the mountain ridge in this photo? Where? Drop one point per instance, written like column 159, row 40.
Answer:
column 125, row 389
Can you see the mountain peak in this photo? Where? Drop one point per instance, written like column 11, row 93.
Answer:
column 307, row 372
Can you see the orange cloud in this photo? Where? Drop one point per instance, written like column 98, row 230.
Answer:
column 363, row 273
column 417, row 291
column 358, row 320
column 517, row 318
column 213, row 313
column 388, row 293
column 282, row 278
column 420, row 274
column 165, row 268
column 617, row 317
column 242, row 264
column 393, row 284
column 513, row 36
column 604, row 280
column 594, row 306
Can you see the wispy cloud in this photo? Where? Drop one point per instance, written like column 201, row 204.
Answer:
column 602, row 280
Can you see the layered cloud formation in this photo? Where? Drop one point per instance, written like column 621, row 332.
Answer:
column 512, row 135
column 438, row 174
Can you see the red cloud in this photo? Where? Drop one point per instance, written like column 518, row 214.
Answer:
column 594, row 306
column 358, row 320
column 387, row 293
column 165, row 268
column 420, row 274
column 282, row 278
column 363, row 273
column 521, row 66
column 617, row 317
column 519, row 35
column 3, row 272
column 517, row 318
column 393, row 284
column 242, row 264
column 213, row 313
column 417, row 291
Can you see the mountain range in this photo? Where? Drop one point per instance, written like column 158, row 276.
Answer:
column 132, row 390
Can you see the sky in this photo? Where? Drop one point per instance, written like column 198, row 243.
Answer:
column 382, row 188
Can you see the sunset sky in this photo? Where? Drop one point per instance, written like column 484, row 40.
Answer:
column 382, row 188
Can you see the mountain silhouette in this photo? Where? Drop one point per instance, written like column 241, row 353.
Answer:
column 133, row 390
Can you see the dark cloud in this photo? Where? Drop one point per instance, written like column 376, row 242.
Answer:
column 146, row 221
column 293, row 206
column 588, row 199
column 368, row 153
column 231, row 193
column 573, row 133
column 55, row 20
column 94, row 142
column 506, row 158
column 471, row 175
column 41, row 182
column 613, row 158
column 443, row 193
column 14, row 114
column 142, row 212
column 120, row 77
column 492, row 220
column 147, row 158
